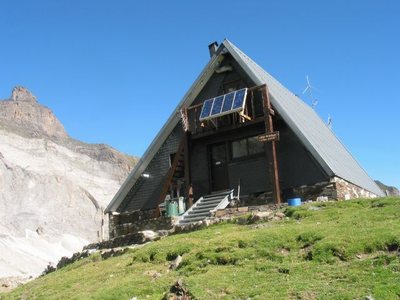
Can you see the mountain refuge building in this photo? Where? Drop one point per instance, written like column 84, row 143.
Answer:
column 237, row 134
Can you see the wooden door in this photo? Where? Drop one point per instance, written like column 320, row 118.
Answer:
column 219, row 167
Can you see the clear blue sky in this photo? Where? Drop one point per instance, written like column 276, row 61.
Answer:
column 112, row 71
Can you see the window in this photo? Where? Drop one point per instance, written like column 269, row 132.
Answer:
column 254, row 146
column 239, row 148
column 246, row 147
column 171, row 158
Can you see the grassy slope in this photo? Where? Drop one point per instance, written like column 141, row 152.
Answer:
column 334, row 250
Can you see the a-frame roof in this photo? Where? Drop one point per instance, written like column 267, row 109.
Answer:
column 329, row 152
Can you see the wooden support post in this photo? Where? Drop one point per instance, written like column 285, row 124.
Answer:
column 186, row 154
column 186, row 151
column 190, row 197
column 271, row 151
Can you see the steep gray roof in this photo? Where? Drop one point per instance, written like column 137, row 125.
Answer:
column 302, row 119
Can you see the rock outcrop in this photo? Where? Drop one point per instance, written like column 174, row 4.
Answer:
column 25, row 115
column 388, row 190
column 53, row 188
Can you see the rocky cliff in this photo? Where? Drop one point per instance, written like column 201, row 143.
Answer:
column 388, row 190
column 52, row 187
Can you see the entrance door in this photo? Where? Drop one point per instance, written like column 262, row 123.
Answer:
column 219, row 167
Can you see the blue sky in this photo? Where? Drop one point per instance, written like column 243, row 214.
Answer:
column 112, row 71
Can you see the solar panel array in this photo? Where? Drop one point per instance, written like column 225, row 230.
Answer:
column 223, row 105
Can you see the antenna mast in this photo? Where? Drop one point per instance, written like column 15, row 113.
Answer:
column 309, row 89
column 329, row 123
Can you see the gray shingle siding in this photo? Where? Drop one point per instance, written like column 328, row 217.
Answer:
column 144, row 194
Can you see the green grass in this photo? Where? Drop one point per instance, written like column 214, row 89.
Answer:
column 335, row 250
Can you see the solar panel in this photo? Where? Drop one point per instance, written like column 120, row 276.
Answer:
column 239, row 99
column 206, row 110
column 216, row 109
column 223, row 105
column 227, row 106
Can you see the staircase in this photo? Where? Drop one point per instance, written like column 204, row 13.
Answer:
column 205, row 205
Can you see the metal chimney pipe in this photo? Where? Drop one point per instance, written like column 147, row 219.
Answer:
column 213, row 48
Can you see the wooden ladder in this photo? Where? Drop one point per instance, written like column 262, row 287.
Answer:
column 175, row 172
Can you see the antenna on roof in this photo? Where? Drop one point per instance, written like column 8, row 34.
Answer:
column 329, row 123
column 309, row 89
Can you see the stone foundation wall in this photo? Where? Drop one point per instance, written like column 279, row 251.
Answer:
column 346, row 190
column 135, row 221
column 336, row 189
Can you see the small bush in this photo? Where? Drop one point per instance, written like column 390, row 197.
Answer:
column 140, row 256
column 242, row 244
column 393, row 244
column 95, row 257
column 297, row 213
column 244, row 219
column 284, row 270
column 384, row 260
column 328, row 253
column 383, row 243
column 271, row 256
column 377, row 204
column 226, row 259
column 309, row 238
column 153, row 253
column 263, row 267
column 382, row 202
column 223, row 249
column 179, row 250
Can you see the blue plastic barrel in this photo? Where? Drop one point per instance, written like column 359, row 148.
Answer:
column 294, row 202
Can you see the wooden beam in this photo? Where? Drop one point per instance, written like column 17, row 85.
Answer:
column 245, row 116
column 271, row 153
column 186, row 154
column 228, row 128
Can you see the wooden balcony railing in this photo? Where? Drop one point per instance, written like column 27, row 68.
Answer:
column 253, row 111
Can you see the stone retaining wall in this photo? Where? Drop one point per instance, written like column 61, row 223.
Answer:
column 335, row 189
column 346, row 190
column 132, row 222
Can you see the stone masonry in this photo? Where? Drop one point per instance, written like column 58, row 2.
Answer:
column 135, row 221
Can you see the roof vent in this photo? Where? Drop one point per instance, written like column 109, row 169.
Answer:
column 213, row 48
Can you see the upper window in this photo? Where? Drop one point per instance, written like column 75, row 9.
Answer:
column 246, row 147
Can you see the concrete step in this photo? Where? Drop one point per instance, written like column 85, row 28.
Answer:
column 205, row 212
column 201, row 209
column 220, row 194
column 192, row 219
column 208, row 203
column 213, row 198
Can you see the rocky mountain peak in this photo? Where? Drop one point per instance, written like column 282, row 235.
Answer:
column 52, row 187
column 23, row 113
column 20, row 93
